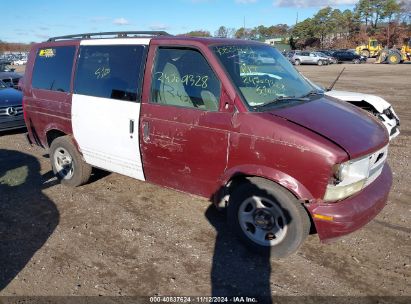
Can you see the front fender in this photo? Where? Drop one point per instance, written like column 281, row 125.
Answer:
column 285, row 180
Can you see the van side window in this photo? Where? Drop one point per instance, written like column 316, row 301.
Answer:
column 52, row 68
column 110, row 71
column 183, row 77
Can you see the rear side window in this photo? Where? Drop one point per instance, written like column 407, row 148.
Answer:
column 110, row 71
column 52, row 68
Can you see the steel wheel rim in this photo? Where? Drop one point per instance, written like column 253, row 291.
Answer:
column 63, row 162
column 262, row 221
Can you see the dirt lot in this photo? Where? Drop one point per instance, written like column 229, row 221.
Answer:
column 119, row 236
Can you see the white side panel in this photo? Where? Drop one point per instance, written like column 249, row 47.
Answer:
column 377, row 102
column 101, row 128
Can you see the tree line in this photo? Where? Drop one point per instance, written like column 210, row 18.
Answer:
column 389, row 21
column 13, row 47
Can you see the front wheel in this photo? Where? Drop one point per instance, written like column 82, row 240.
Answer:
column 356, row 61
column 267, row 217
column 320, row 62
column 67, row 163
column 297, row 62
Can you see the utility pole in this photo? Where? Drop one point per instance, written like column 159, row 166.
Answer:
column 296, row 20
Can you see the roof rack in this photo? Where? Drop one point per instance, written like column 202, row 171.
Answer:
column 127, row 34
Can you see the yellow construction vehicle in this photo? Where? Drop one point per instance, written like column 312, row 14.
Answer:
column 395, row 55
column 372, row 49
column 406, row 49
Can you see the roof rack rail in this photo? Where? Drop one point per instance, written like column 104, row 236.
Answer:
column 116, row 34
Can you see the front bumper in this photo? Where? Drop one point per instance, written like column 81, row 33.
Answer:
column 12, row 123
column 354, row 212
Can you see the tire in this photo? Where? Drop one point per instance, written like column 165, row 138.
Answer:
column 267, row 218
column 365, row 53
column 320, row 62
column 67, row 163
column 394, row 58
column 297, row 62
column 356, row 61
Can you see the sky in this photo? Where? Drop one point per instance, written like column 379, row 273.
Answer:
column 37, row 20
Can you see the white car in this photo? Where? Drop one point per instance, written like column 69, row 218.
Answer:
column 19, row 62
column 376, row 105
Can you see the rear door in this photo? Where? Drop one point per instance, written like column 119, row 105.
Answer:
column 305, row 57
column 106, row 103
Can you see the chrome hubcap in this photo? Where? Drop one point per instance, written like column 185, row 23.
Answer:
column 63, row 163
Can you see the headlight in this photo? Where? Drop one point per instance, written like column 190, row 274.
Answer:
column 349, row 178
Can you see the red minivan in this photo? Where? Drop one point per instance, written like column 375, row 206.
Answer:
column 201, row 116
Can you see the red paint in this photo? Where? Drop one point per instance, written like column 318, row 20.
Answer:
column 199, row 152
column 343, row 123
column 46, row 110
column 354, row 212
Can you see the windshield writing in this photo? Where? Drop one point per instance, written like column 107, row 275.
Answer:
column 262, row 75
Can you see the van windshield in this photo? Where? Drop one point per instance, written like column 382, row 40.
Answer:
column 263, row 76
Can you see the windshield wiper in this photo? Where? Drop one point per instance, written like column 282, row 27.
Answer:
column 282, row 99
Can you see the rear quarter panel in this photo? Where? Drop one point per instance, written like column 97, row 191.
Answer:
column 46, row 110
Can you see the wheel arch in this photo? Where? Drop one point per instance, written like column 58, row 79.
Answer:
column 52, row 134
column 55, row 130
column 234, row 176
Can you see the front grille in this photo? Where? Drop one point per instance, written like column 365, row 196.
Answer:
column 377, row 161
column 11, row 111
column 13, row 124
column 388, row 113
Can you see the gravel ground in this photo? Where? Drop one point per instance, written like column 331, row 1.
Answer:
column 118, row 236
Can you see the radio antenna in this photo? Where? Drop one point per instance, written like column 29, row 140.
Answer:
column 335, row 81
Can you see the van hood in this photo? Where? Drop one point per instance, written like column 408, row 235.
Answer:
column 354, row 130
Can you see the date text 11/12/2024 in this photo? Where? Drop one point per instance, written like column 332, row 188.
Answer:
column 202, row 299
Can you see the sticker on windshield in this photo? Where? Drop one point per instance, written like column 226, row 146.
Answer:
column 47, row 53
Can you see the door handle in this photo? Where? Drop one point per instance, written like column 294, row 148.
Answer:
column 146, row 132
column 131, row 126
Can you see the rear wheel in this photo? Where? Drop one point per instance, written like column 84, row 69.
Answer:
column 394, row 58
column 365, row 53
column 267, row 217
column 67, row 163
